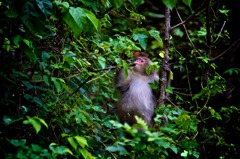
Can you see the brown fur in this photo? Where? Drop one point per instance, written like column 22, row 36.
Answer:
column 136, row 96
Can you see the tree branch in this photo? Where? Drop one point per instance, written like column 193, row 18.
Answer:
column 165, row 66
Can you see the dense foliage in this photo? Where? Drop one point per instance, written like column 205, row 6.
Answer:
column 58, row 59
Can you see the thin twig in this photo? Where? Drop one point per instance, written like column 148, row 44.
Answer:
column 98, row 76
column 106, row 68
column 171, row 102
column 111, row 67
column 220, row 32
column 212, row 59
column 188, row 18
column 189, row 84
column 184, row 28
column 80, row 86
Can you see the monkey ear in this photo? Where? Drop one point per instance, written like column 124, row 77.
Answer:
column 138, row 54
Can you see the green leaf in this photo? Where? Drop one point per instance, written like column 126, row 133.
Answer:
column 61, row 150
column 28, row 43
column 7, row 120
column 17, row 39
column 117, row 148
column 62, row 5
column 56, row 83
column 178, row 32
column 41, row 121
column 93, row 19
column 162, row 54
column 30, row 52
column 116, row 3
column 136, row 3
column 45, row 6
column 45, row 56
column 6, row 44
column 125, row 69
column 204, row 59
column 81, row 141
column 141, row 122
column 155, row 34
column 187, row 2
column 81, row 20
column 35, row 123
column 72, row 142
column 140, row 37
column 196, row 154
column 86, row 154
column 231, row 71
column 18, row 143
column 154, row 85
column 41, row 27
column 38, row 101
column 170, row 3
column 46, row 80
column 184, row 153
column 102, row 61
column 173, row 148
column 76, row 19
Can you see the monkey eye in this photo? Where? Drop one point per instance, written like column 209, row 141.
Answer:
column 140, row 61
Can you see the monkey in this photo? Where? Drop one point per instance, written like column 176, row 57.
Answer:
column 136, row 95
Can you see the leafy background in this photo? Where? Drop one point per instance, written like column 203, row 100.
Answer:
column 58, row 59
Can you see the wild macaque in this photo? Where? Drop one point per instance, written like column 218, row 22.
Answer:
column 136, row 95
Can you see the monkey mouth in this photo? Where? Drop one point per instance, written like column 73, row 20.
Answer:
column 132, row 64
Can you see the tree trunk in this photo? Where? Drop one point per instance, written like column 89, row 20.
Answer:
column 164, row 76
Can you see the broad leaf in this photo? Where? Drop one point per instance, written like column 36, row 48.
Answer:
column 18, row 143
column 187, row 2
column 76, row 19
column 86, row 154
column 72, row 142
column 35, row 123
column 116, row 3
column 59, row 149
column 81, row 141
column 170, row 3
column 102, row 61
column 140, row 37
column 45, row 6
column 93, row 19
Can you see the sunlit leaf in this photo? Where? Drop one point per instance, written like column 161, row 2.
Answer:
column 35, row 123
column 81, row 141
column 56, row 84
column 170, row 3
column 117, row 148
column 141, row 39
column 93, row 19
column 72, row 142
column 86, row 154
column 41, row 121
column 102, row 61
column 61, row 150
column 76, row 19
column 17, row 39
column 184, row 153
column 187, row 2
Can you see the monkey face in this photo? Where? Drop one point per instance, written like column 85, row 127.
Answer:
column 140, row 65
column 141, row 61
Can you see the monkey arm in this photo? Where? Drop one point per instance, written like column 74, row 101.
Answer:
column 120, row 80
